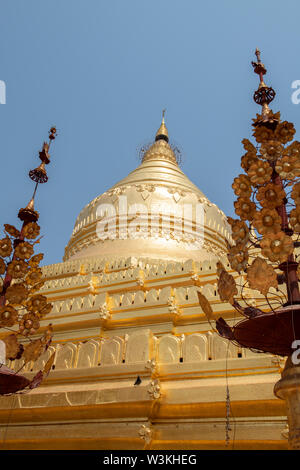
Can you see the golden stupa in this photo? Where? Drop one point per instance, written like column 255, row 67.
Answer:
column 138, row 365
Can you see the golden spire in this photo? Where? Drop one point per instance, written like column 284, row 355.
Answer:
column 162, row 132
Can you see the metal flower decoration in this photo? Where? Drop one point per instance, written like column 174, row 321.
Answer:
column 265, row 234
column 21, row 309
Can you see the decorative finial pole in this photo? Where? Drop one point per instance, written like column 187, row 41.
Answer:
column 21, row 309
column 264, row 252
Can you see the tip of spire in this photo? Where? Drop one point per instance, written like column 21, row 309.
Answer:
column 162, row 133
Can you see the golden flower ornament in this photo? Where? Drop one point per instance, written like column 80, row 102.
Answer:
column 205, row 305
column 29, row 324
column 35, row 287
column 248, row 159
column 36, row 303
column 226, row 287
column 35, row 260
column 261, row 276
column 248, row 146
column 34, row 276
column 11, row 230
column 245, row 208
column 8, row 316
column 295, row 219
column 296, row 193
column 13, row 348
column 288, row 167
column 24, row 250
column 16, row 293
column 17, row 268
column 239, row 231
column 5, row 247
column 293, row 150
column 33, row 350
column 285, row 132
column 263, row 134
column 260, row 172
column 242, row 186
column 238, row 257
column 31, row 230
column 270, row 196
column 271, row 150
column 2, row 266
column 45, row 310
column 267, row 221
column 277, row 246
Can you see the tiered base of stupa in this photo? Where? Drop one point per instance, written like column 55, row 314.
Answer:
column 139, row 367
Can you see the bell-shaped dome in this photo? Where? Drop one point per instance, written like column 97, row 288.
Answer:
column 156, row 212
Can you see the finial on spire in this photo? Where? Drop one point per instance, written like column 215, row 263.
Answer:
column 264, row 94
column 162, row 133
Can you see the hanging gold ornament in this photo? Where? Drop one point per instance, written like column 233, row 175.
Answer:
column 270, row 196
column 267, row 221
column 238, row 257
column 288, row 167
column 205, row 305
column 248, row 159
column 277, row 246
column 242, row 186
column 271, row 150
column 261, row 276
column 239, row 231
column 227, row 287
column 295, row 219
column 260, row 172
column 245, row 208
column 285, row 132
column 5, row 247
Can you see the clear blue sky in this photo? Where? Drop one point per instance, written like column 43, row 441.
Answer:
column 102, row 71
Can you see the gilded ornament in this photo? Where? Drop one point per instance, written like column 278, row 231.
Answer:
column 29, row 324
column 267, row 221
column 227, row 287
column 296, row 193
column 31, row 230
column 16, row 293
column 248, row 159
column 242, row 186
column 35, row 260
column 8, row 316
column 34, row 276
column 277, row 246
column 13, row 348
column 284, row 132
column 288, row 167
column 248, row 146
column 260, row 172
column 2, row 266
column 205, row 305
column 293, row 150
column 17, row 268
column 295, row 219
column 11, row 230
column 271, row 150
column 263, row 134
column 270, row 196
column 33, row 350
column 261, row 276
column 24, row 250
column 239, row 231
column 36, row 303
column 238, row 257
column 45, row 310
column 5, row 247
column 245, row 208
